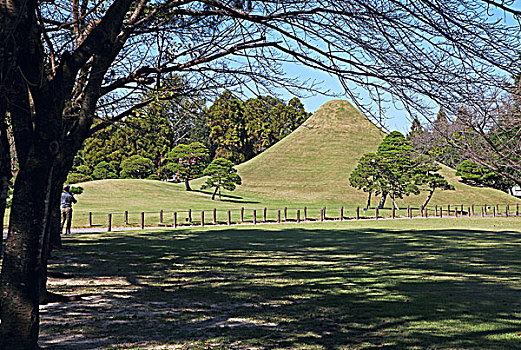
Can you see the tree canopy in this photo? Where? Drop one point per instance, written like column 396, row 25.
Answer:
column 187, row 162
column 221, row 175
column 397, row 170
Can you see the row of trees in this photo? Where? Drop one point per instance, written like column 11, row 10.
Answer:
column 397, row 170
column 455, row 143
column 140, row 146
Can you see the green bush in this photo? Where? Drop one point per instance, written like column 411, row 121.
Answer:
column 104, row 170
column 76, row 190
column 74, row 178
column 136, row 167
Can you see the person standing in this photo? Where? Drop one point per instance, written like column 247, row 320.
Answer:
column 66, row 209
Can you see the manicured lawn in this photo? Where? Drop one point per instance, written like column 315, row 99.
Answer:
column 402, row 284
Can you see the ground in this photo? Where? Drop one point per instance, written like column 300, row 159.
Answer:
column 395, row 285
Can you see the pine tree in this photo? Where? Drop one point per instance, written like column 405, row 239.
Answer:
column 221, row 174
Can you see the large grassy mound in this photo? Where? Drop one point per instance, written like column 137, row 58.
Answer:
column 309, row 167
column 312, row 165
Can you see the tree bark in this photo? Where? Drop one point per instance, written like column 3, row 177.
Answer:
column 429, row 196
column 369, row 200
column 5, row 176
column 21, row 269
column 382, row 200
column 394, row 202
column 214, row 193
column 187, row 184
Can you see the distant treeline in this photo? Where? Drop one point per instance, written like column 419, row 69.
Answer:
column 229, row 128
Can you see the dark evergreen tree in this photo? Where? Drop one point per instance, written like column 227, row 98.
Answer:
column 187, row 162
column 397, row 170
column 478, row 175
column 228, row 132
column 136, row 167
column 221, row 175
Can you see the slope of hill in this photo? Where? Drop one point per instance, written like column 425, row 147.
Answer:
column 312, row 165
column 309, row 167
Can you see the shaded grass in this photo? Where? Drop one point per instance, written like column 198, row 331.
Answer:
column 400, row 284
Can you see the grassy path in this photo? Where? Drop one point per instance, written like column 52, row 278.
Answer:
column 400, row 284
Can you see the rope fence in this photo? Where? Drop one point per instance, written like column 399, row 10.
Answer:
column 189, row 217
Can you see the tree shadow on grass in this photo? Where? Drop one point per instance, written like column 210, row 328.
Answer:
column 227, row 197
column 295, row 288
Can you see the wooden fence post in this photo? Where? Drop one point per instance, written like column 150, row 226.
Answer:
column 482, row 211
column 175, row 220
column 497, row 208
column 324, row 212
column 436, row 210
column 202, row 217
column 421, row 210
column 305, row 213
column 109, row 224
column 494, row 211
column 214, row 216
column 161, row 216
column 357, row 213
column 278, row 216
column 142, row 220
column 376, row 213
column 265, row 215
column 455, row 211
column 254, row 217
column 426, row 213
column 506, row 210
column 472, row 208
column 448, row 209
column 298, row 215
column 341, row 213
column 242, row 214
column 409, row 212
column 90, row 218
column 393, row 213
column 190, row 215
column 229, row 221
column 126, row 217
column 285, row 214
column 468, row 212
column 462, row 209
column 517, row 209
column 441, row 211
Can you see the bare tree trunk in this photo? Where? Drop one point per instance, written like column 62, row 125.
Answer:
column 382, row 200
column 21, row 269
column 369, row 200
column 5, row 176
column 394, row 202
column 214, row 193
column 187, row 184
column 429, row 196
column 55, row 239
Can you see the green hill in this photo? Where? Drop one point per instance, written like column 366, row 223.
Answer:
column 312, row 165
column 309, row 167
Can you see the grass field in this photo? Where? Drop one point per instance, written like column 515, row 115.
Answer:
column 310, row 167
column 402, row 284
